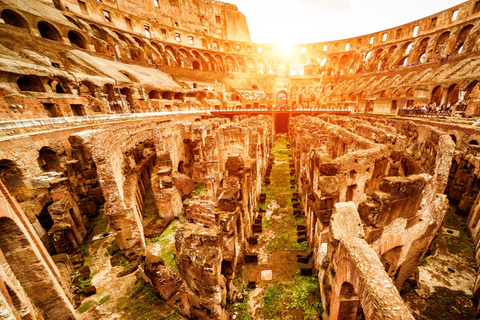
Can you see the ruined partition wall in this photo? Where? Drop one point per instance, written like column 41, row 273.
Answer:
column 395, row 191
column 228, row 157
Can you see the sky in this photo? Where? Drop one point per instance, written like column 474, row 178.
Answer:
column 290, row 22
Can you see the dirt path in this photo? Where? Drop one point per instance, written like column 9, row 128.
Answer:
column 277, row 251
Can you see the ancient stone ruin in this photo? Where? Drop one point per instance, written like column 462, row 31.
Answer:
column 155, row 163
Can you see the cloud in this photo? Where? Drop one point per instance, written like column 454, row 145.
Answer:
column 327, row 5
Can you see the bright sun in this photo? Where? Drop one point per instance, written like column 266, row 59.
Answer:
column 286, row 47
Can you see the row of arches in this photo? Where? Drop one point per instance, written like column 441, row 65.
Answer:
column 458, row 40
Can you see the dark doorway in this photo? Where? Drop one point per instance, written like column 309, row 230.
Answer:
column 281, row 122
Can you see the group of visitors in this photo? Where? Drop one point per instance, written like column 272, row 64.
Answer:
column 433, row 108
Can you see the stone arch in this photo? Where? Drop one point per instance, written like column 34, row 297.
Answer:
column 230, row 64
column 13, row 179
column 196, row 65
column 139, row 42
column 452, row 94
column 281, row 98
column 437, row 93
column 154, row 94
column 48, row 31
column 462, row 36
column 98, row 32
column 19, row 306
column 31, row 271
column 441, row 44
column 76, row 39
column 421, row 50
column 13, row 18
column 242, row 66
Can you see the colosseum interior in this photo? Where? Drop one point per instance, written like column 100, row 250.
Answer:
column 155, row 163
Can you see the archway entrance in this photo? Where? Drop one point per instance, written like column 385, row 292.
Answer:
column 282, row 101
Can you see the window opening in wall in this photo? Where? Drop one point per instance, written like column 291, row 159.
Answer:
column 476, row 9
column 164, row 33
column 249, row 49
column 335, row 46
column 190, row 40
column 204, row 43
column 50, row 109
column 270, row 71
column 83, row 6
column 147, row 31
column 237, row 46
column 322, row 63
column 347, row 46
column 177, row 37
column 176, row 24
column 194, row 85
column 325, row 47
column 359, row 43
column 215, row 46
column 415, row 31
column 433, row 23
column 372, row 39
column 106, row 14
column 399, row 33
column 259, row 49
column 56, row 65
column 454, row 15
column 156, row 3
column 77, row 110
column 302, row 72
column 304, row 49
column 218, row 19
column 128, row 22
column 384, row 37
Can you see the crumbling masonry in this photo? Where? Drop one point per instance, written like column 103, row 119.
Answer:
column 102, row 100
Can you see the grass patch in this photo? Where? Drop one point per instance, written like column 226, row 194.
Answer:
column 141, row 303
column 292, row 295
column 103, row 300
column 285, row 241
column 85, row 306
column 199, row 189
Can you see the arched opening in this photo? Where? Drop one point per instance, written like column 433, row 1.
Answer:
column 30, row 83
column 32, row 274
column 293, row 72
column 47, row 31
column 281, row 100
column 12, row 178
column 348, row 303
column 422, row 49
column 14, row 19
column 76, row 40
column 178, row 96
column 454, row 138
column 440, row 48
column 437, row 95
column 48, row 160
column 473, row 143
column 98, row 33
column 86, row 89
column 196, row 65
column 167, row 95
column 127, row 93
column 452, row 95
column 390, row 260
column 154, row 94
column 59, row 88
column 47, row 223
column 462, row 36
